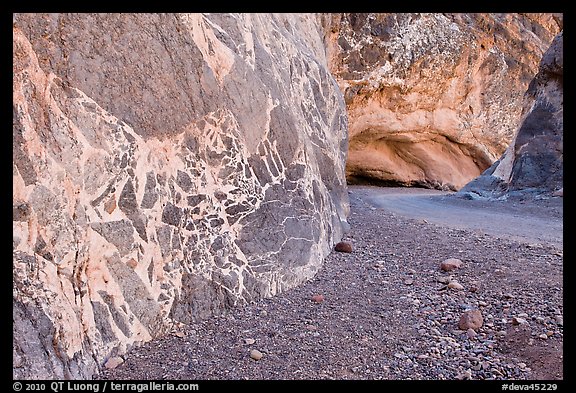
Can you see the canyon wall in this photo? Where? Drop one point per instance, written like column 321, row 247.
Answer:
column 533, row 165
column 165, row 167
column 434, row 99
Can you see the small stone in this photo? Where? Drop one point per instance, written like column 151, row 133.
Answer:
column 482, row 303
column 518, row 321
column 408, row 281
column 318, row 298
column 180, row 334
column 450, row 264
column 256, row 354
column 249, row 341
column 465, row 375
column 523, row 315
column 471, row 333
column 471, row 319
column 443, row 280
column 559, row 320
column 543, row 336
column 113, row 362
column 132, row 263
column 343, row 247
column 549, row 333
column 522, row 366
column 455, row 285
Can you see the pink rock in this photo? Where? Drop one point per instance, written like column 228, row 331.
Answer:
column 343, row 247
column 471, row 319
column 318, row 298
column 450, row 264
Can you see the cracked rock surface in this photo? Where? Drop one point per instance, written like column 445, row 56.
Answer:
column 165, row 167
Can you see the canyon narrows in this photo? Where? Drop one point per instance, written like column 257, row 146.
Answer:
column 170, row 168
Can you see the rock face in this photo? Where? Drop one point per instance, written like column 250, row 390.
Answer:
column 533, row 164
column 165, row 167
column 434, row 99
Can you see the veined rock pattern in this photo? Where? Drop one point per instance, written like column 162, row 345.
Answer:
column 533, row 165
column 165, row 167
column 434, row 99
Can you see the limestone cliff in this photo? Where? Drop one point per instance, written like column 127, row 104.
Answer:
column 533, row 165
column 165, row 167
column 434, row 99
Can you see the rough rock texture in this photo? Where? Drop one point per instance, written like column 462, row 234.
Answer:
column 434, row 99
column 164, row 167
column 533, row 164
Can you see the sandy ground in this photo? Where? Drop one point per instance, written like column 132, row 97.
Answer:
column 532, row 221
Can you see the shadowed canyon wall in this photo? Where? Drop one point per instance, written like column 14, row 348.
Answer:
column 434, row 99
column 533, row 165
column 165, row 167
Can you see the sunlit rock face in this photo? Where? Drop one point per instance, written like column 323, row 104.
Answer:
column 533, row 165
column 434, row 99
column 165, row 167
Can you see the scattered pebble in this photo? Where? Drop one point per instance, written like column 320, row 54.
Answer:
column 455, row 285
column 343, row 247
column 113, row 362
column 249, row 341
column 450, row 264
column 471, row 320
column 318, row 298
column 256, row 354
column 518, row 321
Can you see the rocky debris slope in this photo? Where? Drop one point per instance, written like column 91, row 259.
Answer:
column 533, row 164
column 388, row 312
column 434, row 99
column 165, row 167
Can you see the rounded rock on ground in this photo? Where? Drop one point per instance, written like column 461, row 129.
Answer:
column 455, row 285
column 471, row 319
column 113, row 362
column 518, row 321
column 249, row 341
column 256, row 354
column 450, row 264
column 343, row 247
column 317, row 298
